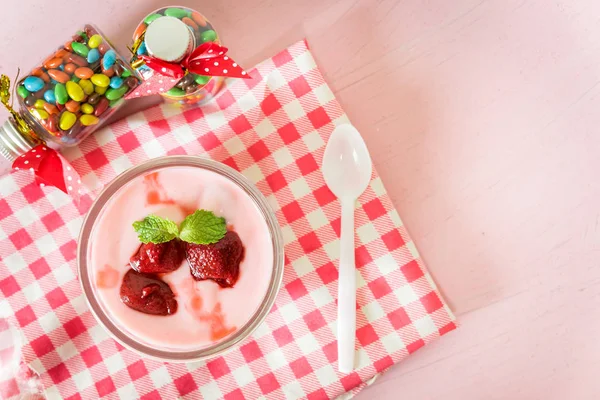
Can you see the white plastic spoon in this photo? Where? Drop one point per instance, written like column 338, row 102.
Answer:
column 347, row 171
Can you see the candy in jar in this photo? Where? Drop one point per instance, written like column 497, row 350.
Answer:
column 74, row 89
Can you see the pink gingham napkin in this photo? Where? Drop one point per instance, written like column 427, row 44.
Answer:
column 273, row 128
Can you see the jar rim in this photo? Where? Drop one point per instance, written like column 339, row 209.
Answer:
column 174, row 355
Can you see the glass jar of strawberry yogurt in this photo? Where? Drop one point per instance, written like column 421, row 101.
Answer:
column 180, row 258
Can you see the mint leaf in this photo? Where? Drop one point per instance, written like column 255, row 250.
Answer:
column 153, row 229
column 203, row 227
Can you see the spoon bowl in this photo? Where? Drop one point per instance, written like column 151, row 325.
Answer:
column 347, row 164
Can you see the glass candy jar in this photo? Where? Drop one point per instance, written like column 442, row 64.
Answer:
column 170, row 34
column 75, row 89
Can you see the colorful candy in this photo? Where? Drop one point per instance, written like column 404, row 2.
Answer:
column 208, row 36
column 40, row 114
column 78, row 60
column 53, row 63
column 142, row 49
column 131, row 82
column 110, row 72
column 49, row 96
column 80, row 49
column 94, row 98
column 93, row 56
column 115, row 94
column 22, row 91
column 50, row 108
column 87, row 108
column 76, row 127
column 95, row 41
column 103, row 48
column 87, row 86
column 84, row 73
column 199, row 18
column 60, row 92
column 30, row 101
column 202, row 79
column 67, row 119
column 190, row 22
column 109, row 59
column 116, row 82
column 52, row 123
column 75, row 91
column 100, row 80
column 33, row 83
column 139, row 31
column 41, row 74
column 100, row 89
column 177, row 12
column 72, row 106
column 101, row 107
column 76, row 87
column 152, row 17
column 70, row 68
column 118, row 69
column 58, row 75
column 176, row 92
column 87, row 120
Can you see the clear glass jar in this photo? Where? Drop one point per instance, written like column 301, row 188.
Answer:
column 87, row 268
column 75, row 89
column 192, row 88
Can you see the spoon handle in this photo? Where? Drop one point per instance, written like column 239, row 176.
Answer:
column 346, row 290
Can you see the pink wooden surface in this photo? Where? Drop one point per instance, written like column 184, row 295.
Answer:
column 482, row 118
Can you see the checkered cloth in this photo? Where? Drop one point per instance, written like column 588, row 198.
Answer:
column 273, row 129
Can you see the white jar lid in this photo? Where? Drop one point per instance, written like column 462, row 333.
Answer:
column 168, row 38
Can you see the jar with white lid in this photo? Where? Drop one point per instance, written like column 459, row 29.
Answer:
column 171, row 34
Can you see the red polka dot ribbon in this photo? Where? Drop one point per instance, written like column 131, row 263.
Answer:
column 209, row 59
column 50, row 169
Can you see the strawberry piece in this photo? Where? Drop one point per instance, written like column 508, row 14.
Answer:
column 158, row 258
column 218, row 261
column 107, row 278
column 148, row 294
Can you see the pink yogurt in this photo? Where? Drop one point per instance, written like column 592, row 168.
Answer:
column 206, row 313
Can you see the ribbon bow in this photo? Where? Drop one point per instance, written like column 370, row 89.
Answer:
column 207, row 59
column 48, row 166
column 50, row 169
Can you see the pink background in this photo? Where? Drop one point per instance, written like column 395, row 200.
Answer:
column 482, row 119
